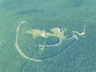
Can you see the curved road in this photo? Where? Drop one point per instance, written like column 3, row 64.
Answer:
column 39, row 59
column 45, row 58
column 17, row 46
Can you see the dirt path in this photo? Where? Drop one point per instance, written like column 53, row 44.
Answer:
column 17, row 46
column 57, row 44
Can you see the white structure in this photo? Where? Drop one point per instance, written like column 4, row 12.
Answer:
column 44, row 34
column 82, row 33
column 57, row 29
